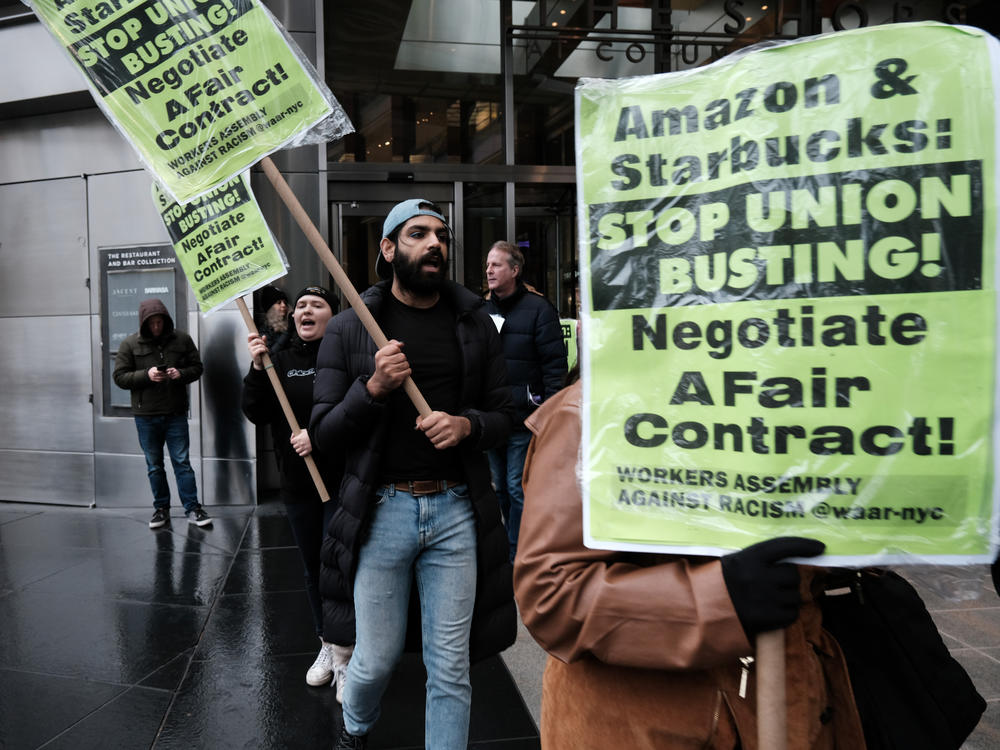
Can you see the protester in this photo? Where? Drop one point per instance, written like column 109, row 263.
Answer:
column 647, row 650
column 156, row 364
column 307, row 514
column 536, row 368
column 416, row 501
column 274, row 328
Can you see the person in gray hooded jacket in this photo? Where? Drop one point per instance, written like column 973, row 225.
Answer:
column 156, row 364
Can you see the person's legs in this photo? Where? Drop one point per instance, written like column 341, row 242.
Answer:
column 306, row 521
column 152, row 433
column 517, row 451
column 381, row 601
column 498, row 471
column 446, row 581
column 178, row 444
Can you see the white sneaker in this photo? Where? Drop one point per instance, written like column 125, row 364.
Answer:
column 322, row 669
column 339, row 680
column 341, row 658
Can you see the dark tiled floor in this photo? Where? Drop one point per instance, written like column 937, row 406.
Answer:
column 115, row 636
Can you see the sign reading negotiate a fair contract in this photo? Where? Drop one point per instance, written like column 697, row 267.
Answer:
column 789, row 319
column 222, row 242
column 202, row 89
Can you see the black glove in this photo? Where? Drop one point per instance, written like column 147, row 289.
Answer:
column 765, row 592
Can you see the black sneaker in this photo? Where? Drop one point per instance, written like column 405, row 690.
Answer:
column 161, row 517
column 347, row 741
column 199, row 517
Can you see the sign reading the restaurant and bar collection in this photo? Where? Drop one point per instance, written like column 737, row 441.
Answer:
column 788, row 264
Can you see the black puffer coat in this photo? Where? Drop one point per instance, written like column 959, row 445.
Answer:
column 533, row 348
column 344, row 414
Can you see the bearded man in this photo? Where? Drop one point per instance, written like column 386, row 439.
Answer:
column 418, row 513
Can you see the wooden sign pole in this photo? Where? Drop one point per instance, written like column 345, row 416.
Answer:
column 339, row 276
column 772, row 731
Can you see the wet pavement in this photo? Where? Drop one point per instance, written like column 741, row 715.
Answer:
column 116, row 636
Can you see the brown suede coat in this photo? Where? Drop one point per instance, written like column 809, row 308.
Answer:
column 644, row 649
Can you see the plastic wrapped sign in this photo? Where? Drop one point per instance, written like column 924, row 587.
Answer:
column 222, row 242
column 202, row 89
column 788, row 263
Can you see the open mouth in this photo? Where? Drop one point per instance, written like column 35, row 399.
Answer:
column 432, row 262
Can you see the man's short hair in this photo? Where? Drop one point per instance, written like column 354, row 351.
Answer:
column 513, row 252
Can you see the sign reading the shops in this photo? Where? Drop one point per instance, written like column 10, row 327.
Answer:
column 201, row 88
column 222, row 242
column 788, row 268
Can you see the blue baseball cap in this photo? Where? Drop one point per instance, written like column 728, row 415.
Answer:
column 399, row 215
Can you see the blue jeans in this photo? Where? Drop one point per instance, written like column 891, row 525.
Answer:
column 430, row 539
column 507, row 467
column 172, row 430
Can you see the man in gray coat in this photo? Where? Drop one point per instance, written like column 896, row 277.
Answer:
column 156, row 364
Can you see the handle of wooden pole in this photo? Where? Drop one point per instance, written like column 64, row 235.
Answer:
column 337, row 272
column 286, row 407
column 772, row 731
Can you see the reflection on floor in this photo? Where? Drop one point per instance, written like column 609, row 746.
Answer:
column 115, row 636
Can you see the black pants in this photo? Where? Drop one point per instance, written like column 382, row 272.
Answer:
column 309, row 521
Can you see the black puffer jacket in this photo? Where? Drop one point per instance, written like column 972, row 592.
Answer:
column 532, row 346
column 140, row 351
column 345, row 414
column 296, row 369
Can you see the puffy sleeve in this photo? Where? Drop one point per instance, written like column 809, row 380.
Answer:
column 652, row 611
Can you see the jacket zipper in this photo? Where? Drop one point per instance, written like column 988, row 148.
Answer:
column 745, row 664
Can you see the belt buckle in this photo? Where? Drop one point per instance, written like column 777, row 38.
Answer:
column 420, row 487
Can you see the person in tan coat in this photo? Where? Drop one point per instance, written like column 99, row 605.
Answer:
column 651, row 651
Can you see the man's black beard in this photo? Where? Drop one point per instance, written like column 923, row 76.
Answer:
column 414, row 280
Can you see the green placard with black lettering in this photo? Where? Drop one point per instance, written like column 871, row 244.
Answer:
column 222, row 242
column 202, row 89
column 789, row 316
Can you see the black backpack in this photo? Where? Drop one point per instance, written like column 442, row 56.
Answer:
column 910, row 692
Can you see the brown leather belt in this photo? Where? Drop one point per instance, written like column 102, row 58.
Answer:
column 420, row 487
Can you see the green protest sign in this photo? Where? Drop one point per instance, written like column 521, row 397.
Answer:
column 222, row 242
column 789, row 315
column 202, row 89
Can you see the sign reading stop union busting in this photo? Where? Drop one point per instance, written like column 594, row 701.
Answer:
column 788, row 264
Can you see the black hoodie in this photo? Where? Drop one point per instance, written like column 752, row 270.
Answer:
column 295, row 365
column 140, row 351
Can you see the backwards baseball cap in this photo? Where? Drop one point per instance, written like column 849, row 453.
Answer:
column 399, row 215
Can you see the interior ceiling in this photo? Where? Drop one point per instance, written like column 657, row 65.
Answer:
column 363, row 39
column 371, row 32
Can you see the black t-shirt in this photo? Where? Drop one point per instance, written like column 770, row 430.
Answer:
column 431, row 347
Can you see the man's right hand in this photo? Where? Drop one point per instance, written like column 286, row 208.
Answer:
column 155, row 375
column 391, row 369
